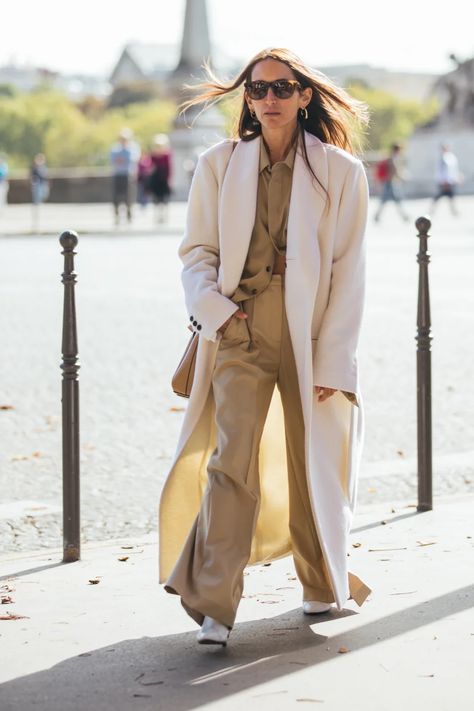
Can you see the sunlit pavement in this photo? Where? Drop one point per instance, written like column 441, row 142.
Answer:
column 101, row 634
column 132, row 329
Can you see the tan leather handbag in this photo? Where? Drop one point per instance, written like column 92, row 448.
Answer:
column 182, row 380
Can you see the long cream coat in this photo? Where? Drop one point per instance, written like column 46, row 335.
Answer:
column 324, row 301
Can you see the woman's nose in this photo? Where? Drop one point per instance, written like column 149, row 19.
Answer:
column 270, row 97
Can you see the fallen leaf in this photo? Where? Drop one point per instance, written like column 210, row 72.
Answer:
column 94, row 581
column 342, row 650
column 14, row 617
column 266, row 565
column 292, row 577
column 392, row 510
column 408, row 592
column 6, row 407
column 400, row 452
column 383, row 523
column 36, row 455
column 313, row 701
column 7, row 600
column 177, row 409
column 427, row 543
column 356, row 545
column 151, row 683
column 269, row 602
column 125, row 548
column 285, row 629
column 289, row 587
column 123, row 558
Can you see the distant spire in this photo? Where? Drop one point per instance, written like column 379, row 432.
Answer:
column 196, row 44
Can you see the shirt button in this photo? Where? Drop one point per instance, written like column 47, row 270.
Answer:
column 199, row 327
column 268, row 269
column 195, row 323
column 191, row 318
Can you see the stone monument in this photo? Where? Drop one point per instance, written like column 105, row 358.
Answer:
column 193, row 131
column 454, row 126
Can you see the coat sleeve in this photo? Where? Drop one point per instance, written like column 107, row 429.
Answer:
column 335, row 356
column 199, row 251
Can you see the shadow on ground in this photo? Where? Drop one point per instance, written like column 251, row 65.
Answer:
column 173, row 672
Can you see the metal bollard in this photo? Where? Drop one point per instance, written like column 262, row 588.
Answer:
column 423, row 372
column 70, row 407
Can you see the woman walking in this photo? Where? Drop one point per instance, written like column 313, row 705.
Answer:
column 273, row 277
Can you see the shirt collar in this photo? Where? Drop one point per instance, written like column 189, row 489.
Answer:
column 265, row 160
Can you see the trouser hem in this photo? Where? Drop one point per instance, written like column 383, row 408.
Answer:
column 208, row 609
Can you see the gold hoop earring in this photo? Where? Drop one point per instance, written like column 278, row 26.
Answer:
column 304, row 113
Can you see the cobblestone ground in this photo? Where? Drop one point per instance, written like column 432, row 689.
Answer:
column 132, row 329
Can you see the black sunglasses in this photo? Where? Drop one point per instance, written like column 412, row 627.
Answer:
column 282, row 88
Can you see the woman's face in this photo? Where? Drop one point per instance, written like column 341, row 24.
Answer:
column 272, row 112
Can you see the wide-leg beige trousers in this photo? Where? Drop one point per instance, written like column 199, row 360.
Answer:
column 254, row 355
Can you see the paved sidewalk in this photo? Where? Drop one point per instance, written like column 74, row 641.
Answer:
column 132, row 330
column 122, row 643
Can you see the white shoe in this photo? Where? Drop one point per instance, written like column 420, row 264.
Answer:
column 212, row 632
column 314, row 607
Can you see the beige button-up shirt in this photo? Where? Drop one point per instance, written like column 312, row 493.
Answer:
column 269, row 231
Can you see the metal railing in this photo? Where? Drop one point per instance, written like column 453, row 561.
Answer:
column 70, row 406
column 423, row 372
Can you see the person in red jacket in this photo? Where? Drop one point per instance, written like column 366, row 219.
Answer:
column 389, row 175
column 158, row 182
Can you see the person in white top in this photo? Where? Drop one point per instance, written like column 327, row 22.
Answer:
column 447, row 178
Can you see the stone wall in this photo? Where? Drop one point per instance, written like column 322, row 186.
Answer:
column 72, row 185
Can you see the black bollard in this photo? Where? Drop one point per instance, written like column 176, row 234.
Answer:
column 70, row 407
column 423, row 372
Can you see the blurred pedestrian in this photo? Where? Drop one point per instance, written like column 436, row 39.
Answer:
column 3, row 180
column 124, row 158
column 389, row 174
column 144, row 168
column 159, row 179
column 447, row 178
column 39, row 180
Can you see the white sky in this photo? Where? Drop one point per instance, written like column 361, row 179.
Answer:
column 87, row 36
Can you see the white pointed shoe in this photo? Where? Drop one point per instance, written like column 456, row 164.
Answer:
column 212, row 632
column 314, row 607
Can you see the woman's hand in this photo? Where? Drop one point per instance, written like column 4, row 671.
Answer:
column 238, row 314
column 323, row 393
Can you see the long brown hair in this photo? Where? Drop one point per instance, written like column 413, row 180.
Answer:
column 333, row 115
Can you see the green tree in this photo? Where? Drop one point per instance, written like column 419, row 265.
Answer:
column 392, row 119
column 48, row 122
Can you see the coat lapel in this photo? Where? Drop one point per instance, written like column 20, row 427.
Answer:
column 237, row 206
column 307, row 205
